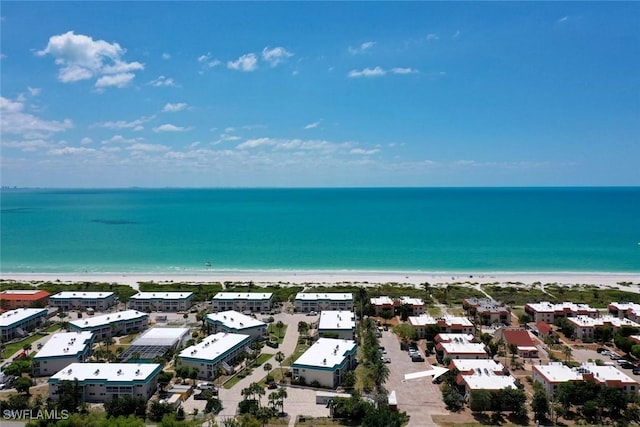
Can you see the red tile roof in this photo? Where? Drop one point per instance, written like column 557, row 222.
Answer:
column 519, row 337
column 24, row 297
column 544, row 328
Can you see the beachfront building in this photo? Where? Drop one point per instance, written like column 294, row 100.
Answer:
column 155, row 342
column 484, row 381
column 236, row 323
column 549, row 312
column 112, row 324
column 255, row 302
column 100, row 382
column 306, row 302
column 477, row 366
column 543, row 329
column 556, row 373
column 415, row 305
column 585, row 326
column 448, row 324
column 81, row 300
column 444, row 337
column 62, row 349
column 17, row 323
column 219, row 350
column 519, row 338
column 628, row 310
column 458, row 346
column 489, row 311
column 23, row 298
column 325, row 363
column 161, row 301
column 337, row 324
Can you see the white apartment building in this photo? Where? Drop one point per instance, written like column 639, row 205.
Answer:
column 629, row 310
column 585, row 326
column 556, row 373
column 81, row 300
column 416, row 305
column 306, row 302
column 477, row 366
column 217, row 350
column 489, row 382
column 236, row 323
column 161, row 301
column 17, row 323
column 461, row 350
column 548, row 312
column 448, row 324
column 337, row 324
column 100, row 382
column 256, row 302
column 326, row 361
column 62, row 349
column 112, row 324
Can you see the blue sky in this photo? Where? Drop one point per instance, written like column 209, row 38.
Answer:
column 205, row 94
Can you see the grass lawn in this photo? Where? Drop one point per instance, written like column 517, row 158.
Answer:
column 15, row 347
column 53, row 328
column 233, row 381
column 128, row 339
column 300, row 348
column 434, row 311
column 263, row 358
column 273, row 332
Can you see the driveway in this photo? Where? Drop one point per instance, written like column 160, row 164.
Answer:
column 419, row 398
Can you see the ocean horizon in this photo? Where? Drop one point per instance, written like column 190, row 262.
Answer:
column 435, row 229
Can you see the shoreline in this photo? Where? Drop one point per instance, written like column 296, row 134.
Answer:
column 266, row 277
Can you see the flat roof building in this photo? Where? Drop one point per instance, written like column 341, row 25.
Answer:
column 161, row 301
column 306, row 302
column 548, row 312
column 461, row 350
column 61, row 350
column 488, row 310
column 23, row 298
column 219, row 350
column 585, row 326
column 416, row 305
column 17, row 323
column 112, row 324
column 473, row 366
column 255, row 302
column 236, row 323
column 100, row 382
column 485, row 381
column 81, row 300
column 155, row 342
column 629, row 310
column 337, row 324
column 556, row 373
column 448, row 324
column 325, row 362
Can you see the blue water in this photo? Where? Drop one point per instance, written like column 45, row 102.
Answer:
column 426, row 229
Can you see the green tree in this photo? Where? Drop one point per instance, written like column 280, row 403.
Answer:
column 214, row 405
column 480, row 400
column 280, row 358
column 264, row 414
column 386, row 315
column 540, row 404
column 405, row 332
column 267, row 367
column 279, row 326
column 23, row 384
column 380, row 373
column 524, row 318
column 158, row 410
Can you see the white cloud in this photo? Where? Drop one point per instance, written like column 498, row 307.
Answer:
column 71, row 151
column 456, row 35
column 163, row 81
column 172, row 108
column 312, row 125
column 208, row 61
column 562, row 20
column 121, row 124
column 362, row 48
column 27, row 145
column 432, row 37
column 254, row 143
column 119, row 139
column 276, row 55
column 34, row 91
column 86, row 140
column 404, row 71
column 363, row 151
column 148, row 147
column 248, row 62
column 82, row 58
column 166, row 56
column 117, row 80
column 18, row 122
column 167, row 127
column 3, row 56
column 367, row 72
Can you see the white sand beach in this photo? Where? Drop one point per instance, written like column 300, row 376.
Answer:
column 322, row 277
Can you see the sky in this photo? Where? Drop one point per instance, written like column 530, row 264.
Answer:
column 319, row 94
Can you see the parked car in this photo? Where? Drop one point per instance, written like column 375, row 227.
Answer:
column 205, row 386
column 386, row 360
column 312, row 313
column 627, row 365
column 272, row 385
column 636, row 371
column 417, row 358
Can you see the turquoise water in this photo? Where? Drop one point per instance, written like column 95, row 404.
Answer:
column 427, row 229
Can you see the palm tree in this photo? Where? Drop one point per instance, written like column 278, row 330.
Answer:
column 380, row 373
column 362, row 296
column 282, row 394
column 218, row 372
column 280, row 359
column 279, row 327
column 267, row 367
column 567, row 353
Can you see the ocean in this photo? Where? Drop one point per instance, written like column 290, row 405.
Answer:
column 381, row 229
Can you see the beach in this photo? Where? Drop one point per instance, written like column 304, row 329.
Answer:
column 323, row 277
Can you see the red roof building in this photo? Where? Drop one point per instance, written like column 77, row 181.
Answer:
column 544, row 329
column 521, row 339
column 24, row 298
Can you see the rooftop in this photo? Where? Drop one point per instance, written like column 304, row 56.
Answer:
column 489, row 382
column 107, row 372
column 11, row 317
column 326, row 353
column 161, row 336
column 411, row 301
column 463, row 348
column 519, row 337
column 162, row 295
column 235, row 320
column 81, row 295
column 426, row 319
column 624, row 306
column 65, row 344
column 381, row 301
column 588, row 322
column 466, row 365
column 324, row 297
column 26, row 294
column 333, row 319
column 106, row 319
column 557, row 372
column 215, row 346
column 547, row 307
column 454, row 337
column 244, row 295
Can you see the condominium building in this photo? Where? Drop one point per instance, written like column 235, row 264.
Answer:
column 549, row 312
column 584, row 327
column 161, row 301
column 100, row 382
column 236, row 323
column 306, row 302
column 325, row 362
column 255, row 302
column 460, row 348
column 61, row 350
column 629, row 310
column 485, row 381
column 474, row 366
column 448, row 324
column 81, row 300
column 520, row 338
column 337, row 324
column 155, row 342
column 23, row 298
column 556, row 373
column 219, row 350
column 17, row 323
column 489, row 311
column 416, row 305
column 112, row 324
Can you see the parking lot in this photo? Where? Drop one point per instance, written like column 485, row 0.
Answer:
column 419, row 398
column 584, row 355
